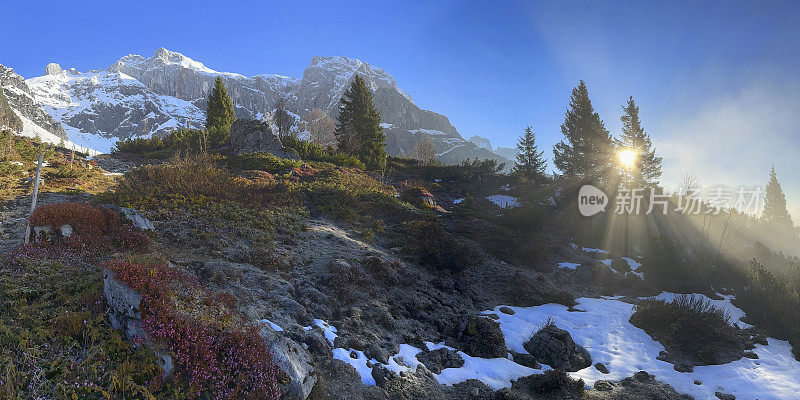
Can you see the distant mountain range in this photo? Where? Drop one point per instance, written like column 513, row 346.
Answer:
column 138, row 96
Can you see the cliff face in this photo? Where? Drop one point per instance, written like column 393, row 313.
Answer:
column 20, row 99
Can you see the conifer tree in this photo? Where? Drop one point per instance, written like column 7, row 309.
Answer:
column 282, row 118
column 219, row 114
column 359, row 131
column 775, row 212
column 530, row 165
column 586, row 152
column 646, row 169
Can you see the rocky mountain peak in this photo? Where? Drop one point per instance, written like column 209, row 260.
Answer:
column 53, row 69
column 341, row 70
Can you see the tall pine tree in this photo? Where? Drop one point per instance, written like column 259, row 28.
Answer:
column 359, row 131
column 530, row 165
column 586, row 152
column 775, row 212
column 282, row 118
column 646, row 169
column 219, row 114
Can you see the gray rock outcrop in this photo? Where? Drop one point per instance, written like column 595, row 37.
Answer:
column 295, row 362
column 554, row 347
column 136, row 218
column 251, row 136
column 126, row 316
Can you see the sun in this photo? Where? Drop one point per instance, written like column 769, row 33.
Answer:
column 627, row 158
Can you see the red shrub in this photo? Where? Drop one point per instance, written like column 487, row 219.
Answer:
column 95, row 229
column 223, row 360
column 84, row 218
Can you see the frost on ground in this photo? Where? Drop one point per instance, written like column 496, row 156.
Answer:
column 504, row 201
column 602, row 326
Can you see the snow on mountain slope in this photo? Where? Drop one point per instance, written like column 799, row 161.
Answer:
column 21, row 99
column 32, row 130
column 98, row 107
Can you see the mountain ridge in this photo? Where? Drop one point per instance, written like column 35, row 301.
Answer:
column 137, row 96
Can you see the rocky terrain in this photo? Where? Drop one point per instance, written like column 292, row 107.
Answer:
column 251, row 270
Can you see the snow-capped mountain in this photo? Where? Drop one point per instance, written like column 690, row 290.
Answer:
column 35, row 121
column 139, row 96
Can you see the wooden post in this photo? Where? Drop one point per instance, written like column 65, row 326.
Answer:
column 33, row 198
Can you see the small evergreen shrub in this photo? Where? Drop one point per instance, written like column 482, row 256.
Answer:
column 552, row 382
column 263, row 162
column 772, row 303
column 431, row 244
column 309, row 151
column 688, row 324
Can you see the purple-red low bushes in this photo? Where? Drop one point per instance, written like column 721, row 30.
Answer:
column 95, row 229
column 215, row 353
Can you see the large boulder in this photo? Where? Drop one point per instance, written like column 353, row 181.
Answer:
column 125, row 315
column 136, row 218
column 295, row 364
column 554, row 346
column 251, row 136
column 439, row 359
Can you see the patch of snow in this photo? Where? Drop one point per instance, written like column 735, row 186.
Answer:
column 495, row 372
column 275, row 327
column 31, row 130
column 360, row 363
column 590, row 250
column 603, row 328
column 458, row 201
column 568, row 265
column 634, row 267
column 504, row 201
column 327, row 329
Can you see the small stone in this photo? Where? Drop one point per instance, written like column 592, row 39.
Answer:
column 66, row 230
column 724, row 396
column 507, row 310
column 698, row 383
column 601, row 367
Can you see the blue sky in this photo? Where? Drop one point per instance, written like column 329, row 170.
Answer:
column 717, row 83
